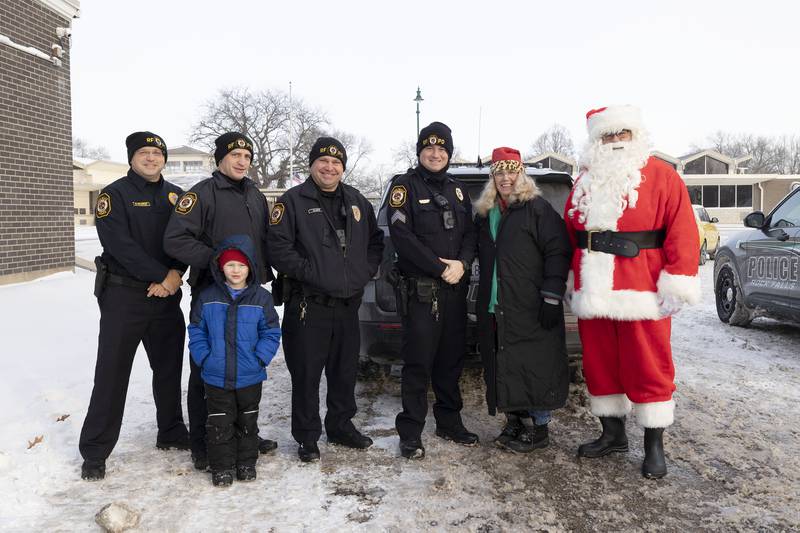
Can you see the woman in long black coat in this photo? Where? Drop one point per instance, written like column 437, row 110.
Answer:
column 524, row 256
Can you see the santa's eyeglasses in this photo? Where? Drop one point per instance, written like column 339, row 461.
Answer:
column 623, row 135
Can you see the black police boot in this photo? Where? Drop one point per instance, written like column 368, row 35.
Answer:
column 200, row 461
column 613, row 439
column 529, row 439
column 179, row 444
column 93, row 470
column 412, row 449
column 458, row 434
column 222, row 478
column 510, row 431
column 246, row 472
column 351, row 439
column 654, row 465
column 266, row 445
column 308, row 452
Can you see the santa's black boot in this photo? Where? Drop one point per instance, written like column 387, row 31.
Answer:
column 654, row 465
column 613, row 439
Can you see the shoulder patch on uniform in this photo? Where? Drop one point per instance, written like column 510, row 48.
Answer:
column 459, row 194
column 186, row 204
column 102, row 208
column 397, row 198
column 276, row 215
column 173, row 198
column 356, row 213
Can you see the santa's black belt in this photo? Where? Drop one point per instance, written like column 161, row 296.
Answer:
column 624, row 243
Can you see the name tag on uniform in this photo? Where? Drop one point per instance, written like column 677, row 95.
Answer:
column 314, row 210
column 425, row 200
column 140, row 204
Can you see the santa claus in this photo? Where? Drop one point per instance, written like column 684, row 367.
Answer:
column 631, row 224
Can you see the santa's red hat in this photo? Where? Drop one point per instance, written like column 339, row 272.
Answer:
column 613, row 119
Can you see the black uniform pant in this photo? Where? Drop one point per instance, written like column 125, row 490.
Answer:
column 433, row 351
column 128, row 317
column 232, row 426
column 327, row 339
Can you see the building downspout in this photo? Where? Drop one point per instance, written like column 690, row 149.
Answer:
column 760, row 197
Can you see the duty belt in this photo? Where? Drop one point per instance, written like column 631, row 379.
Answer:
column 115, row 279
column 324, row 299
column 624, row 243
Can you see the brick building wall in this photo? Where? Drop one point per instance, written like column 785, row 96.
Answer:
column 36, row 200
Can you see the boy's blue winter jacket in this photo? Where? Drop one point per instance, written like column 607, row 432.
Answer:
column 232, row 341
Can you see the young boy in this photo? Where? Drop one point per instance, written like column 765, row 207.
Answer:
column 233, row 335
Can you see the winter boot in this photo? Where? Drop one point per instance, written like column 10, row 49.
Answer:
column 246, row 472
column 530, row 438
column 612, row 440
column 654, row 466
column 200, row 461
column 412, row 449
column 458, row 434
column 351, row 439
column 266, row 445
column 93, row 470
column 222, row 478
column 308, row 452
column 510, row 431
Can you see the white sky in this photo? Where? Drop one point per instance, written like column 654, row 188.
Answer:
column 694, row 67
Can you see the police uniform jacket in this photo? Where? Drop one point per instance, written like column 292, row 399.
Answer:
column 303, row 243
column 211, row 211
column 131, row 215
column 417, row 227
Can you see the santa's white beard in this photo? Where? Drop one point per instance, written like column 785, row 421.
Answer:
column 610, row 182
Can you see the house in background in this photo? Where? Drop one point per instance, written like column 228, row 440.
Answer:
column 186, row 166
column 88, row 179
column 555, row 161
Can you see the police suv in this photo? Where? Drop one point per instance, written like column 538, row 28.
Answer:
column 381, row 328
column 756, row 271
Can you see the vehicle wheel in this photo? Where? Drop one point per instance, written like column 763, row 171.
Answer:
column 713, row 255
column 728, row 294
column 703, row 253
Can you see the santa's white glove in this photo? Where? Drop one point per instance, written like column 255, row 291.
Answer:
column 668, row 305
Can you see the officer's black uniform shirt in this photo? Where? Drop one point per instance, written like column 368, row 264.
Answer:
column 131, row 216
column 213, row 210
column 417, row 227
column 304, row 245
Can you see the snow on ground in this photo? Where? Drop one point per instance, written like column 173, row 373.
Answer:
column 733, row 453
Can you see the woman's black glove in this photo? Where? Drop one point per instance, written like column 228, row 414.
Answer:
column 550, row 315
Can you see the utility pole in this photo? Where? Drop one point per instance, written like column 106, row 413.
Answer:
column 291, row 140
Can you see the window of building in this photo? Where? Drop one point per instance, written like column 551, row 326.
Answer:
column 82, row 211
column 173, row 166
column 76, row 210
column 193, row 166
column 744, row 196
column 721, row 195
column 705, row 165
column 83, row 222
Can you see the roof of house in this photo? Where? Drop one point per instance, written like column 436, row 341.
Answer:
column 185, row 150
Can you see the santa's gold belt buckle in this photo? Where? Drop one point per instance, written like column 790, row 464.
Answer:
column 589, row 239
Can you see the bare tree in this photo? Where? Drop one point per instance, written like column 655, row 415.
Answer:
column 405, row 155
column 769, row 155
column 81, row 148
column 555, row 139
column 263, row 116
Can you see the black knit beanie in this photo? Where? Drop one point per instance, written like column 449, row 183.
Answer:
column 436, row 133
column 228, row 142
column 140, row 139
column 330, row 147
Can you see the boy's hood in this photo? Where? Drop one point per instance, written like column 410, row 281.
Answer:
column 244, row 244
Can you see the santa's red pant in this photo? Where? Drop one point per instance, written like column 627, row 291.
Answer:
column 630, row 358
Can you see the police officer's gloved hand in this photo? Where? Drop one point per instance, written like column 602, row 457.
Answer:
column 550, row 313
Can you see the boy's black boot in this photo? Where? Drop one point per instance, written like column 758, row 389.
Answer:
column 529, row 439
column 93, row 470
column 222, row 478
column 613, row 439
column 246, row 472
column 510, row 431
column 654, row 465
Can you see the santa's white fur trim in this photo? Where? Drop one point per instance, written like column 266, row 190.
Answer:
column 616, row 305
column 614, row 119
column 655, row 414
column 684, row 288
column 610, row 405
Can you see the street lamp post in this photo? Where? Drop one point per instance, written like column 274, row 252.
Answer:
column 418, row 99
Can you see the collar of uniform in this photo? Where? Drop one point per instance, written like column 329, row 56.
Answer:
column 309, row 189
column 222, row 182
column 140, row 182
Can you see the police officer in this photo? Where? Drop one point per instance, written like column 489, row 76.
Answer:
column 228, row 203
column 430, row 222
column 326, row 244
column 138, row 292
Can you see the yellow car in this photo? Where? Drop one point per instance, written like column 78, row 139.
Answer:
column 709, row 234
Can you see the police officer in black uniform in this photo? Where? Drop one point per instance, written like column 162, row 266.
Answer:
column 138, row 291
column 228, row 203
column 325, row 243
column 430, row 222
